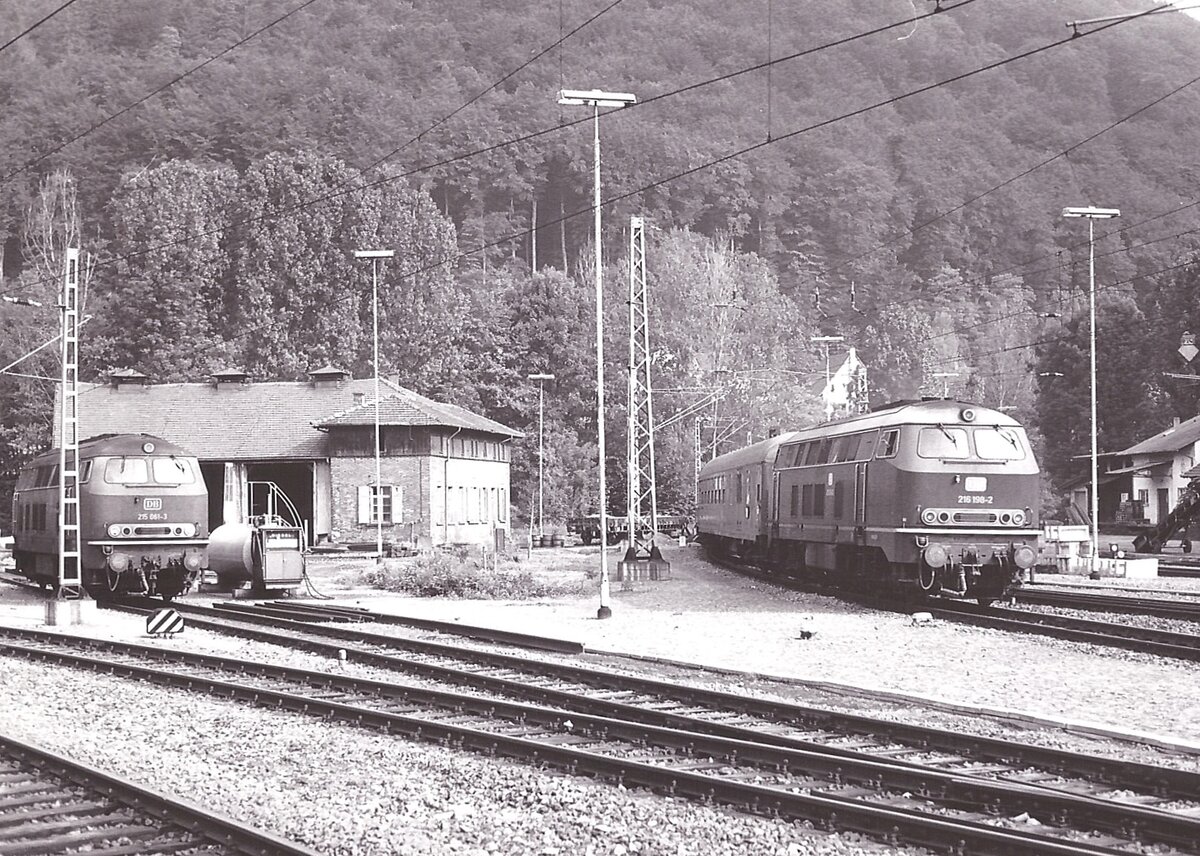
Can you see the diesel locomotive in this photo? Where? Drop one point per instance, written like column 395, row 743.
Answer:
column 143, row 511
column 924, row 498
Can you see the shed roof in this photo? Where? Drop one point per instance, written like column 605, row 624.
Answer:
column 254, row 421
column 404, row 407
column 1171, row 440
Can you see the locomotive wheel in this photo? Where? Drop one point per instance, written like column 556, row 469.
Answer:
column 1186, row 546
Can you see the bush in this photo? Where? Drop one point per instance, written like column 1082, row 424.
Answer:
column 442, row 574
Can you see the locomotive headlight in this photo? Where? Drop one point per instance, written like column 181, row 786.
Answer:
column 114, row 530
column 1024, row 557
column 929, row 517
column 188, row 530
column 118, row 562
column 1018, row 518
column 935, row 555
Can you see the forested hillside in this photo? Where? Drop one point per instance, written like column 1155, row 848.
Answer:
column 832, row 168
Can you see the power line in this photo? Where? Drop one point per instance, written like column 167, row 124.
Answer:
column 150, row 95
column 1062, row 154
column 34, row 26
column 345, row 189
column 561, row 38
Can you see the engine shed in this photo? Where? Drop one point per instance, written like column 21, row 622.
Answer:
column 444, row 471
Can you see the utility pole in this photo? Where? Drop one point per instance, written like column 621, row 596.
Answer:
column 642, row 499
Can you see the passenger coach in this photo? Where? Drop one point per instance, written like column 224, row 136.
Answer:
column 936, row 497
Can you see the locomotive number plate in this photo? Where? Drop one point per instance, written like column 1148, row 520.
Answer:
column 974, row 500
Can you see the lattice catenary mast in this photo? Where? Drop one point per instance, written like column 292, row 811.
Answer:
column 70, row 580
column 641, row 492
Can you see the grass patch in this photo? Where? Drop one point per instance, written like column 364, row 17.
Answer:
column 445, row 574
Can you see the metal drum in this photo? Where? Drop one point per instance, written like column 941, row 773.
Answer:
column 230, row 553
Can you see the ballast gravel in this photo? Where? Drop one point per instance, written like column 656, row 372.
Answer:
column 346, row 790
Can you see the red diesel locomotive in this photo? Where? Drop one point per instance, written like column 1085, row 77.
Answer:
column 935, row 497
column 143, row 511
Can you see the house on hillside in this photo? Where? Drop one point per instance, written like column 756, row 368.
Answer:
column 1141, row 484
column 844, row 393
column 444, row 471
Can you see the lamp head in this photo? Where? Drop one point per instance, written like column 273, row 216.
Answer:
column 595, row 98
column 1092, row 213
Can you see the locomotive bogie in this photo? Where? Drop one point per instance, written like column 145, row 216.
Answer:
column 936, row 497
column 143, row 509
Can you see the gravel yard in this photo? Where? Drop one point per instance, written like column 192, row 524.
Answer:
column 707, row 615
column 347, row 791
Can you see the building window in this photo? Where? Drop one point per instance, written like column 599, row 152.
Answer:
column 379, row 504
column 502, row 506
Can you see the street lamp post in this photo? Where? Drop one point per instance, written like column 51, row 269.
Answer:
column 376, row 256
column 596, row 99
column 1092, row 215
column 541, row 379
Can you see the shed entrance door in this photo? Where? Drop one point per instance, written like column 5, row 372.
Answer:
column 1164, row 507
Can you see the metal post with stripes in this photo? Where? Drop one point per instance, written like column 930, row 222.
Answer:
column 70, row 578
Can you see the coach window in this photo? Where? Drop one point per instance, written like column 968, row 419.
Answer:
column 847, row 448
column 998, row 444
column 85, row 472
column 889, row 442
column 821, row 455
column 942, row 443
column 786, row 457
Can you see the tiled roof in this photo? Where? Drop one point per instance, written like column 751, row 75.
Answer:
column 404, row 407
column 250, row 421
column 1172, row 440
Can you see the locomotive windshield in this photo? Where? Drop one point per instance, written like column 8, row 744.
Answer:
column 999, row 444
column 950, row 443
column 166, row 470
column 942, row 442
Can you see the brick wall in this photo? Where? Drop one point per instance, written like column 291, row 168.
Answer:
column 423, row 511
column 411, row 474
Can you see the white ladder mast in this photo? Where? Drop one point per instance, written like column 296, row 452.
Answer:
column 70, row 577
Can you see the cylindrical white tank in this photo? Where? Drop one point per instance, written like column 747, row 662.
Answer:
column 229, row 552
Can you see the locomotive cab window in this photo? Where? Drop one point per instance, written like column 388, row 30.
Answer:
column 126, row 471
column 172, row 471
column 999, row 444
column 889, row 443
column 943, row 442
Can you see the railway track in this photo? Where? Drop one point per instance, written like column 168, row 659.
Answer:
column 1178, row 569
column 51, row 805
column 728, row 747
column 1161, row 607
column 1163, row 643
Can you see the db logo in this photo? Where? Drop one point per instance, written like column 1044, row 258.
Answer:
column 152, row 504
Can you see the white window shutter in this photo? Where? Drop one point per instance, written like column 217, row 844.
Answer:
column 364, row 504
column 397, row 504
